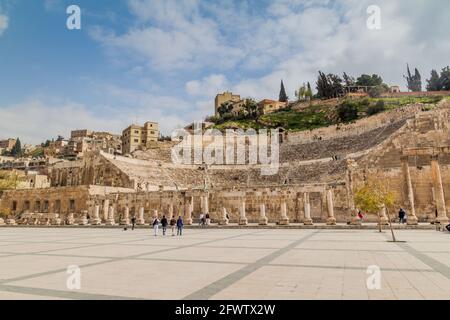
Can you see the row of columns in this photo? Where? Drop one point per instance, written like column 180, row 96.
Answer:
column 284, row 218
column 437, row 187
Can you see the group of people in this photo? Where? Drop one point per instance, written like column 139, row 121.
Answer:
column 204, row 220
column 174, row 224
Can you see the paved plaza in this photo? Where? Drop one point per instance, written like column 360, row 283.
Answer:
column 223, row 264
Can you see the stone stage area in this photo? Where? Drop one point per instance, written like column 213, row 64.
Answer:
column 223, row 264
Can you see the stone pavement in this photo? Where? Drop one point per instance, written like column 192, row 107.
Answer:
column 223, row 264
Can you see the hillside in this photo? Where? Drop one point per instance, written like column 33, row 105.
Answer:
column 317, row 114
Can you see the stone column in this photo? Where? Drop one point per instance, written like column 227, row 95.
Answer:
column 189, row 211
column 141, row 219
column 242, row 218
column 170, row 213
column 82, row 220
column 284, row 221
column 331, row 221
column 111, row 221
column 224, row 221
column 70, row 219
column 439, row 190
column 105, row 210
column 412, row 217
column 126, row 217
column 205, row 204
column 307, row 221
column 384, row 220
column 95, row 219
column 263, row 221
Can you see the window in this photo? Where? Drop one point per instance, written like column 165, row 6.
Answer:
column 45, row 209
column 14, row 206
column 136, row 131
column 37, row 206
column 26, row 206
column 58, row 206
column 71, row 206
column 143, row 141
column 136, row 140
column 152, row 132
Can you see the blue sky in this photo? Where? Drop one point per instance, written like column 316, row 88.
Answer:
column 139, row 60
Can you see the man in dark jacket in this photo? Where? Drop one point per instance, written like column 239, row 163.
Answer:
column 180, row 225
column 164, row 224
column 133, row 222
column 401, row 215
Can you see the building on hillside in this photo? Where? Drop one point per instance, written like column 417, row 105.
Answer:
column 136, row 137
column 7, row 144
column 225, row 97
column 33, row 180
column 394, row 89
column 268, row 106
column 84, row 133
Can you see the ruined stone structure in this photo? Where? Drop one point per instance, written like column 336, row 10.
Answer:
column 319, row 171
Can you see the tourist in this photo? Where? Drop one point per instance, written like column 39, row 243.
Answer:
column 401, row 216
column 164, row 224
column 360, row 215
column 207, row 219
column 173, row 224
column 155, row 225
column 200, row 221
column 133, row 222
column 180, row 226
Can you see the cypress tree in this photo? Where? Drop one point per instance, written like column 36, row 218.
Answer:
column 283, row 95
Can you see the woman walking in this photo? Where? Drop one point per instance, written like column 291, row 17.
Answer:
column 155, row 225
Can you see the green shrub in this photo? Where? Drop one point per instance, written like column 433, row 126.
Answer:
column 348, row 111
column 377, row 108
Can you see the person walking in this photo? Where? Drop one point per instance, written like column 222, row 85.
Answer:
column 173, row 224
column 133, row 222
column 155, row 225
column 164, row 224
column 200, row 221
column 180, row 225
column 401, row 216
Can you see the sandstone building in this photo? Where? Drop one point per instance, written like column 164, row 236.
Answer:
column 225, row 97
column 7, row 144
column 135, row 137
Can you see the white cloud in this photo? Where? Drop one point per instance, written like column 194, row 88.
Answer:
column 4, row 21
column 208, row 86
column 172, row 35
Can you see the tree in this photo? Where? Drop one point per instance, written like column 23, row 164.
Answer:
column 225, row 108
column 329, row 86
column 366, row 80
column 434, row 83
column 373, row 197
column 445, row 79
column 348, row 80
column 251, row 108
column 304, row 92
column 348, row 111
column 16, row 151
column 377, row 108
column 8, row 180
column 309, row 92
column 283, row 95
column 377, row 91
column 414, row 82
